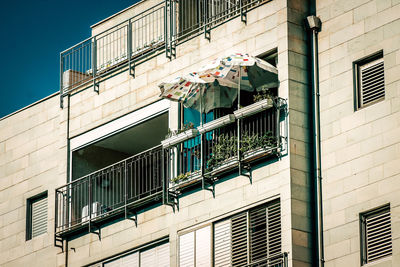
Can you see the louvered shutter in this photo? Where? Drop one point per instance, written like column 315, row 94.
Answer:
column 203, row 247
column 222, row 243
column 274, row 229
column 258, row 234
column 378, row 235
column 162, row 258
column 114, row 263
column 371, row 82
column 239, row 239
column 39, row 216
column 131, row 260
column 186, row 250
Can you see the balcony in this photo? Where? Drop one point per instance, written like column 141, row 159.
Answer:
column 203, row 155
column 112, row 191
column 156, row 30
column 184, row 161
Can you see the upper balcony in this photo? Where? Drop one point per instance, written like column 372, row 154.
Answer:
column 156, row 30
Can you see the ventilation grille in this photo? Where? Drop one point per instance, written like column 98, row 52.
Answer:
column 378, row 235
column 39, row 217
column 372, row 82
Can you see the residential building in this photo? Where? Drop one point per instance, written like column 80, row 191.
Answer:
column 108, row 173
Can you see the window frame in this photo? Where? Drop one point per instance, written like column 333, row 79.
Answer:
column 29, row 222
column 138, row 249
column 357, row 79
column 363, row 232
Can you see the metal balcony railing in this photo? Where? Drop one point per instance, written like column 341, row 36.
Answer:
column 156, row 30
column 134, row 181
column 209, row 154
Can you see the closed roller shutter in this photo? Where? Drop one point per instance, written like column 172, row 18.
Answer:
column 222, row 243
column 186, row 250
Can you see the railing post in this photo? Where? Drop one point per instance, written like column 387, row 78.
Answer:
column 94, row 63
column 129, row 48
column 56, row 212
column 278, row 134
column 125, row 188
column 202, row 161
column 166, row 27
column 61, row 81
column 90, row 201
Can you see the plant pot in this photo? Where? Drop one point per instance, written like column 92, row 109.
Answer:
column 179, row 138
column 225, row 120
column 253, row 108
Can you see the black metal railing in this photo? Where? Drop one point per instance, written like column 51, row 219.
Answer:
column 109, row 190
column 220, row 149
column 158, row 29
column 112, row 49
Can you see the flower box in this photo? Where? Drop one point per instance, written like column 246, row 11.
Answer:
column 253, row 108
column 179, row 138
column 217, row 123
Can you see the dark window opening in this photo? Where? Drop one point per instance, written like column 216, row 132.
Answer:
column 119, row 146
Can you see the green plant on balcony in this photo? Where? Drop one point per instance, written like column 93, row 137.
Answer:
column 181, row 177
column 226, row 147
column 265, row 93
column 186, row 126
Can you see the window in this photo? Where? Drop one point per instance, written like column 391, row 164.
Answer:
column 369, row 80
column 36, row 216
column 376, row 237
column 245, row 238
column 150, row 255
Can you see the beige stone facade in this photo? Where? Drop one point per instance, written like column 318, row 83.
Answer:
column 360, row 149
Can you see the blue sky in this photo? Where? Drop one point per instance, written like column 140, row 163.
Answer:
column 33, row 33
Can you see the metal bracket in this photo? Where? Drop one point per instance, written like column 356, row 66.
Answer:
column 132, row 69
column 57, row 241
column 175, row 200
column 96, row 87
column 247, row 168
column 98, row 232
column 243, row 17
column 208, row 182
column 171, row 52
column 207, row 33
column 131, row 216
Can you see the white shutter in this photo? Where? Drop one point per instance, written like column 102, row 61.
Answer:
column 148, row 257
column 114, row 263
column 131, row 260
column 203, row 247
column 222, row 243
column 186, row 250
column 162, row 255
column 39, row 217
